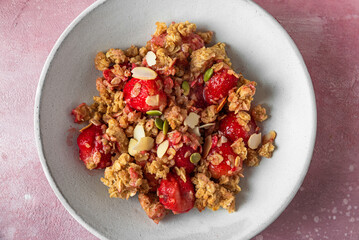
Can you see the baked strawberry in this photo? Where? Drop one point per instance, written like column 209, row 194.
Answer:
column 152, row 181
column 159, row 40
column 108, row 74
column 175, row 194
column 145, row 95
column 81, row 113
column 221, row 159
column 182, row 158
column 194, row 41
column 91, row 148
column 199, row 101
column 218, row 86
column 231, row 128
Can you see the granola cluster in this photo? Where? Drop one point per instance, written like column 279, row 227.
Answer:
column 173, row 123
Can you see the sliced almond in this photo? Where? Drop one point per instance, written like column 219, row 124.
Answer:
column 139, row 132
column 162, row 148
column 207, row 146
column 207, row 125
column 269, row 137
column 143, row 73
column 192, row 120
column 131, row 145
column 223, row 139
column 153, row 101
column 221, row 105
column 84, row 128
column 150, row 58
column 196, row 131
column 144, row 144
column 254, row 140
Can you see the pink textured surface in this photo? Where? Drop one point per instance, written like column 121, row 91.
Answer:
column 326, row 33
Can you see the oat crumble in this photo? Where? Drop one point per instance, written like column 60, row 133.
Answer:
column 173, row 122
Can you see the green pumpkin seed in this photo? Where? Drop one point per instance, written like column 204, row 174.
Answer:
column 185, row 87
column 159, row 123
column 165, row 127
column 154, row 113
column 208, row 74
column 195, row 157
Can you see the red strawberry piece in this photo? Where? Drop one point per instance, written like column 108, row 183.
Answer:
column 152, row 181
column 218, row 86
column 81, row 113
column 226, row 167
column 175, row 194
column 182, row 158
column 159, row 40
column 91, row 148
column 108, row 75
column 194, row 41
column 198, row 96
column 136, row 91
column 231, row 128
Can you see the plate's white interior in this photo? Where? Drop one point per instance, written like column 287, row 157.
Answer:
column 258, row 47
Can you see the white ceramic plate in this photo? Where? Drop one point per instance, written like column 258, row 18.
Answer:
column 258, row 46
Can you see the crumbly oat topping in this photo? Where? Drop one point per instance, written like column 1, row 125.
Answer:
column 178, row 58
column 259, row 113
column 252, row 159
column 209, row 114
column 266, row 150
column 124, row 178
column 212, row 195
column 242, row 98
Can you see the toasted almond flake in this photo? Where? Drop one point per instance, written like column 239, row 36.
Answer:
column 143, row 73
column 131, row 145
column 84, row 128
column 254, row 140
column 223, row 139
column 139, row 132
column 221, row 105
column 192, row 120
column 207, row 146
column 206, row 126
column 144, row 144
column 153, row 101
column 269, row 137
column 237, row 161
column 150, row 58
column 162, row 148
column 196, row 131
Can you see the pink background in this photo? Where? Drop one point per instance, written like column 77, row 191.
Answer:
column 326, row 33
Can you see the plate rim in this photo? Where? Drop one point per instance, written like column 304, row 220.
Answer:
column 52, row 182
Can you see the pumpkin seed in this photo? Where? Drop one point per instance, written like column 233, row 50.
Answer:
column 195, row 157
column 159, row 123
column 185, row 87
column 208, row 74
column 154, row 113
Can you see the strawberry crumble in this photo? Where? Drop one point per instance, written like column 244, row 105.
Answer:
column 173, row 123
